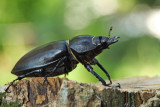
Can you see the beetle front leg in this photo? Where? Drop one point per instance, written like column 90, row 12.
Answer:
column 102, row 68
column 90, row 69
column 105, row 71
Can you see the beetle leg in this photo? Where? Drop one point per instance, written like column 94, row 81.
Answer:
column 6, row 90
column 102, row 68
column 23, row 76
column 59, row 62
column 105, row 71
column 90, row 69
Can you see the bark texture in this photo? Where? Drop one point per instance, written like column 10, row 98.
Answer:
column 61, row 92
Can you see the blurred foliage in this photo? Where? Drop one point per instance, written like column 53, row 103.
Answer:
column 26, row 24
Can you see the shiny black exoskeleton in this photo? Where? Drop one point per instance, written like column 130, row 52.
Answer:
column 61, row 57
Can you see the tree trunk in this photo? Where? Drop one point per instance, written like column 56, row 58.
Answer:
column 61, row 92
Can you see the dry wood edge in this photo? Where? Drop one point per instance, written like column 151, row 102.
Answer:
column 61, row 92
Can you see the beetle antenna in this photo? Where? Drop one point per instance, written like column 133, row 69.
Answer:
column 110, row 31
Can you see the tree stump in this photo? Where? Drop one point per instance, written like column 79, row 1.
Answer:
column 61, row 92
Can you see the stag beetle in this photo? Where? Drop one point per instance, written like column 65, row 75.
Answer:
column 61, row 57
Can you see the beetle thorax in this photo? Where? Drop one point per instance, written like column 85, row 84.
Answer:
column 88, row 56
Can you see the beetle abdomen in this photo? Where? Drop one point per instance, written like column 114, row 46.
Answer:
column 41, row 57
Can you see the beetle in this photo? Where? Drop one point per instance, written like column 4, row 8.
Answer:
column 61, row 57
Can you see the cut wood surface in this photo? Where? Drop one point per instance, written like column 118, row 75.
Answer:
column 61, row 92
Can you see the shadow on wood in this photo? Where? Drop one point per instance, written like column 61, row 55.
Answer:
column 61, row 92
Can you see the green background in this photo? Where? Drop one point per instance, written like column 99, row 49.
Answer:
column 26, row 24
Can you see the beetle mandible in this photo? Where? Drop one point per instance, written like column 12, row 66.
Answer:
column 61, row 57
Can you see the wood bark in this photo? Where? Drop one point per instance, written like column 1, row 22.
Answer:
column 61, row 92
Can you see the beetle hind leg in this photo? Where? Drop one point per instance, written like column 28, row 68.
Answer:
column 18, row 78
column 23, row 76
column 6, row 90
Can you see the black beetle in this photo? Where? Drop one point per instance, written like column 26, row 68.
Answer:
column 61, row 57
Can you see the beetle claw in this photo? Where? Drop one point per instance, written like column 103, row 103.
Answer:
column 45, row 80
column 115, row 85
column 6, row 90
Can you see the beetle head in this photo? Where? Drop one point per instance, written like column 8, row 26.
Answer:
column 105, row 41
column 112, row 40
